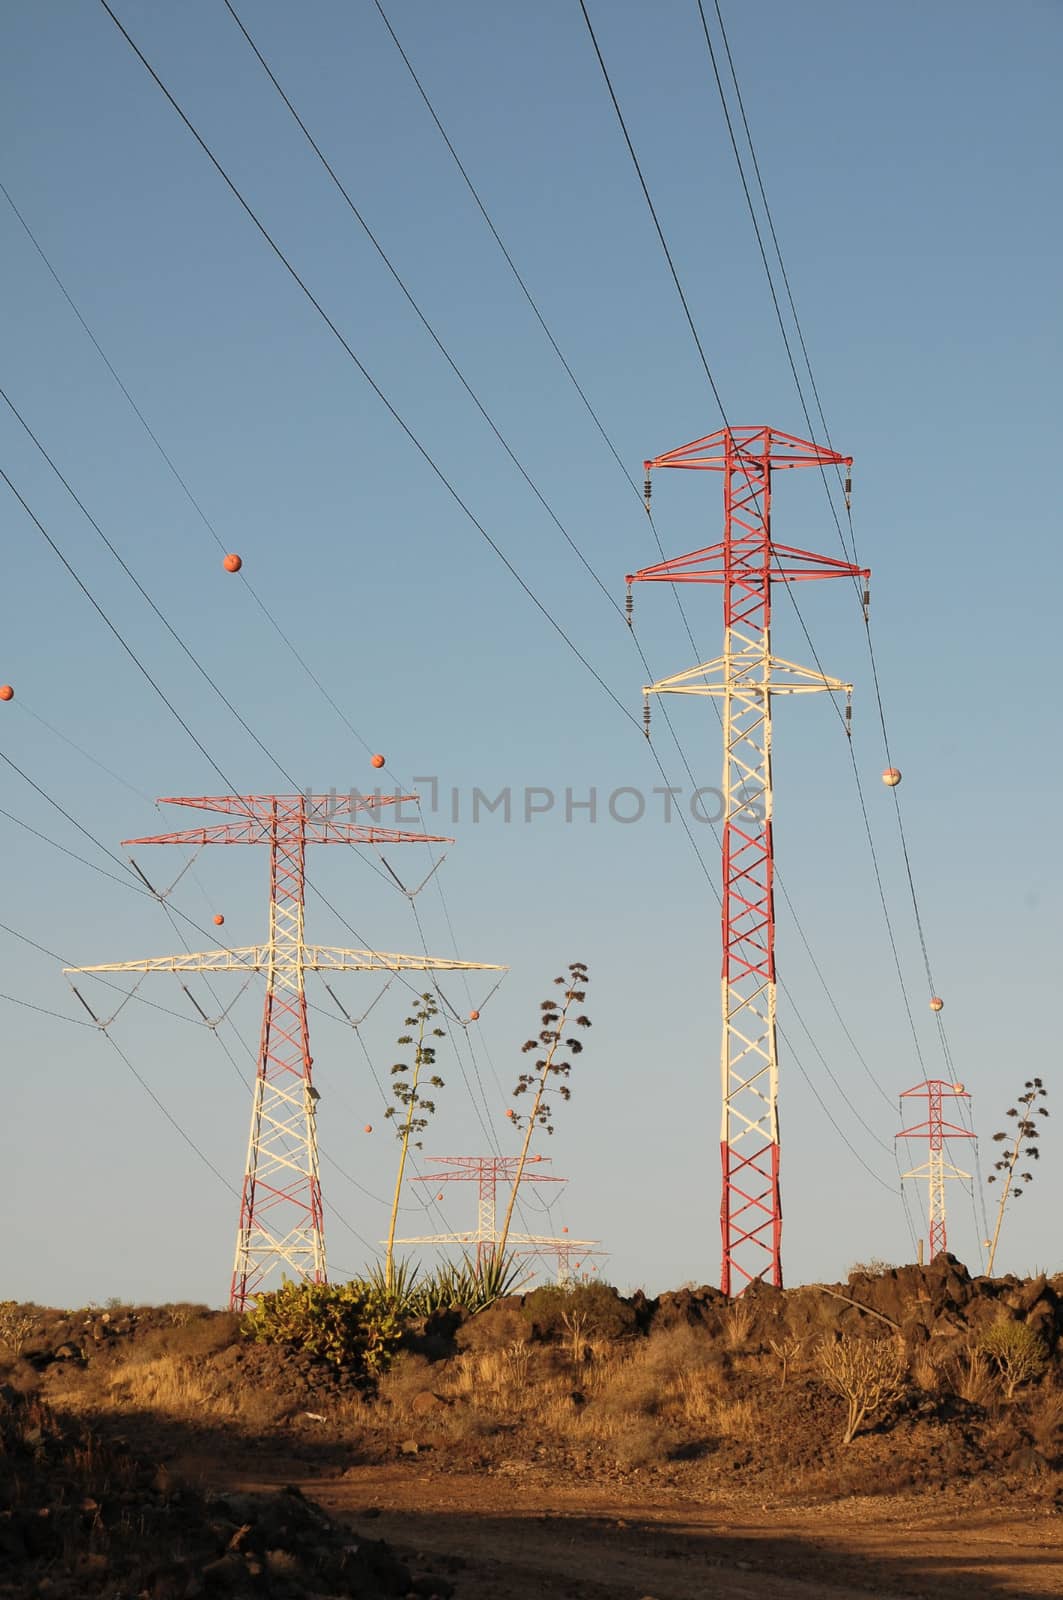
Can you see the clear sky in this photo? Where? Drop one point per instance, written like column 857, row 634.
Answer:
column 911, row 155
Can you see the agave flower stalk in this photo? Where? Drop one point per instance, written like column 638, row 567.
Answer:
column 415, row 1109
column 554, row 1018
column 1024, row 1144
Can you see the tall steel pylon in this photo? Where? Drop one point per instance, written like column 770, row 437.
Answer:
column 281, row 1221
column 745, row 678
column 936, row 1169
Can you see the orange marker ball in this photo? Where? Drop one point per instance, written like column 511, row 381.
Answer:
column 439, row 1197
column 511, row 1113
column 218, row 920
column 232, row 563
column 6, row 692
column 368, row 1127
column 937, row 1004
column 891, row 777
column 474, row 1016
column 377, row 761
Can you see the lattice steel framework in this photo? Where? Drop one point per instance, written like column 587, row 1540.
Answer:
column 281, row 1223
column 936, row 1169
column 487, row 1172
column 746, row 563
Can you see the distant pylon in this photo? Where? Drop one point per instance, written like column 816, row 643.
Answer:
column 281, row 1222
column 936, row 1169
column 563, row 1251
column 745, row 678
column 487, row 1172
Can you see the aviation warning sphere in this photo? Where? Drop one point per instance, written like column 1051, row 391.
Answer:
column 511, row 1113
column 936, row 1004
column 218, row 920
column 377, row 761
column 368, row 1127
column 891, row 777
column 474, row 1016
column 232, row 563
column 6, row 692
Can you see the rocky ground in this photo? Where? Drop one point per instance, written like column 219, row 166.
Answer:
column 686, row 1446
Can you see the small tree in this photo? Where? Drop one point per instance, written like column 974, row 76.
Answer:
column 868, row 1374
column 1024, row 1144
column 787, row 1352
column 413, row 1110
column 17, row 1326
column 1017, row 1351
column 553, row 1021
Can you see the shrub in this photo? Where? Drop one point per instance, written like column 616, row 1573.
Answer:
column 585, row 1311
column 868, row 1374
column 493, row 1329
column 1018, row 1353
column 346, row 1324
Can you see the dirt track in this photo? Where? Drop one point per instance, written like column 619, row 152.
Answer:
column 524, row 1541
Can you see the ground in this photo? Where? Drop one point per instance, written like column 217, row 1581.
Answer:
column 638, row 1450
column 526, row 1541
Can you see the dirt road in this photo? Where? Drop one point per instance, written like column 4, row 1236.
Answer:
column 517, row 1539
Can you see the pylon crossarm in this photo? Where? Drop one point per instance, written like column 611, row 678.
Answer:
column 311, row 958
column 789, row 565
column 927, row 1170
column 259, row 805
column 316, row 830
column 537, row 1240
column 716, row 451
column 801, row 680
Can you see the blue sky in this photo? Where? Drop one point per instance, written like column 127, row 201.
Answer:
column 910, row 157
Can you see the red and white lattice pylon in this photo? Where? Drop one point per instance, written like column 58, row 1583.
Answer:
column 281, row 1225
column 487, row 1172
column 746, row 563
column 936, row 1169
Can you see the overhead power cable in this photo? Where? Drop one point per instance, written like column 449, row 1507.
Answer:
column 349, row 350
column 396, row 416
column 474, row 192
column 943, row 1038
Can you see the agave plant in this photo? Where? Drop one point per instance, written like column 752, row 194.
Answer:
column 401, row 1289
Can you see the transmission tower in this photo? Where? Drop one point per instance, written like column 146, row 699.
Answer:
column 281, row 1223
column 567, row 1270
column 936, row 1169
column 487, row 1172
column 746, row 678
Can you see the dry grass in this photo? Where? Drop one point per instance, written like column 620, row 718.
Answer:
column 738, row 1324
column 928, row 1370
column 974, row 1378
column 172, row 1385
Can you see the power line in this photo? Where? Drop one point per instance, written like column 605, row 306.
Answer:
column 716, row 394
column 505, row 252
column 317, row 306
column 815, row 390
column 351, row 353
column 396, row 416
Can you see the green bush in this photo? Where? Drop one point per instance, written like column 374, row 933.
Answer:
column 347, row 1324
